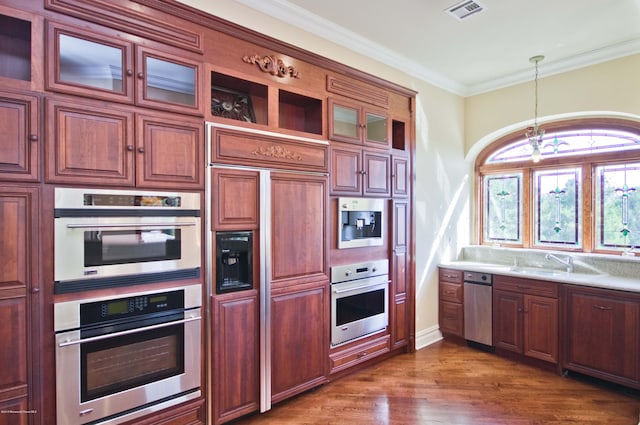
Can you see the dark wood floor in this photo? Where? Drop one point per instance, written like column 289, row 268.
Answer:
column 448, row 383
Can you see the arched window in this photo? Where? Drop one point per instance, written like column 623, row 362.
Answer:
column 583, row 195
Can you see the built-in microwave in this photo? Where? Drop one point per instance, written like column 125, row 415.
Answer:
column 110, row 238
column 360, row 222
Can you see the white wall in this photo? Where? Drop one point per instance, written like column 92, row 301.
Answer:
column 450, row 132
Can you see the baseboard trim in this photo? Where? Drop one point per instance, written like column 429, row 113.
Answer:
column 428, row 336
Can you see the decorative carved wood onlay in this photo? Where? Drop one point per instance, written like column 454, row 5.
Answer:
column 277, row 152
column 272, row 65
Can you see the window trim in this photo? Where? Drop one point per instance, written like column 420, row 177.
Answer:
column 588, row 164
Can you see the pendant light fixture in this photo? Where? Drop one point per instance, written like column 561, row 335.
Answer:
column 535, row 133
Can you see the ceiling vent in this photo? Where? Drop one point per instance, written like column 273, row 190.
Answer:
column 465, row 9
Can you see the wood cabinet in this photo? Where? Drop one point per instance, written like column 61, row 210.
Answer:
column 21, row 50
column 236, row 199
column 243, row 102
column 601, row 330
column 236, row 362
column 400, row 308
column 299, row 339
column 357, row 353
column 20, row 143
column 451, row 309
column 351, row 122
column 91, row 143
column 104, row 64
column 20, row 306
column 525, row 317
column 359, row 172
column 400, row 176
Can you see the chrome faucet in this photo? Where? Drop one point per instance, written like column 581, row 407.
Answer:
column 568, row 262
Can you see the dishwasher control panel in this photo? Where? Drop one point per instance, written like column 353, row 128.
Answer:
column 478, row 277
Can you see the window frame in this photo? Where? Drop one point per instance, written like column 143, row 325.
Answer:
column 588, row 164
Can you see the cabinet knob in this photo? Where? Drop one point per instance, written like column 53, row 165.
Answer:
column 129, row 72
column 33, row 137
column 35, row 290
column 141, row 150
column 129, row 148
column 140, row 75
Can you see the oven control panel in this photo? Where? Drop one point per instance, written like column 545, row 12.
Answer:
column 127, row 307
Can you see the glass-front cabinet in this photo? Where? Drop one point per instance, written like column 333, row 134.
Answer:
column 352, row 123
column 20, row 52
column 89, row 64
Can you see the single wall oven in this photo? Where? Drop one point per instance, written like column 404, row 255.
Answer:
column 359, row 300
column 110, row 238
column 118, row 358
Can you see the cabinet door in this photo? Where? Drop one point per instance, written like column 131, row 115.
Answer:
column 602, row 332
column 20, row 141
column 21, row 52
column 236, row 374
column 376, row 173
column 89, row 64
column 298, row 228
column 399, row 318
column 299, row 340
column 236, row 199
column 400, row 176
column 170, row 152
column 541, row 328
column 376, row 129
column 507, row 320
column 168, row 82
column 89, row 144
column 19, row 309
column 346, row 171
column 344, row 122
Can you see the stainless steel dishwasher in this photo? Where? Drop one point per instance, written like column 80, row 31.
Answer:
column 478, row 311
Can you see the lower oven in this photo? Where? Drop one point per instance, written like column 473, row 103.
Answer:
column 359, row 300
column 119, row 358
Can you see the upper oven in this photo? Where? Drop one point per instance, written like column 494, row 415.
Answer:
column 360, row 222
column 110, row 238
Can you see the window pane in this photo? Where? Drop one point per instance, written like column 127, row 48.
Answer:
column 170, row 82
column 618, row 206
column 503, row 208
column 569, row 143
column 558, row 207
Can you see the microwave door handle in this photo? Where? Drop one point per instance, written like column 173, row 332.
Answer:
column 129, row 331
column 89, row 226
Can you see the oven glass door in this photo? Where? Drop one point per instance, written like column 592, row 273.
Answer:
column 116, row 364
column 112, row 370
column 106, row 247
column 94, row 247
column 352, row 308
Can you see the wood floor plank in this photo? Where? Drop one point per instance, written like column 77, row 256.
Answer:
column 452, row 384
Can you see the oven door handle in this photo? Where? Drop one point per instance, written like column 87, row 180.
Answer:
column 128, row 332
column 372, row 286
column 89, row 226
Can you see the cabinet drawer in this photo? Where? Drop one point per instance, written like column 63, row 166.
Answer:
column 359, row 354
column 526, row 286
column 451, row 292
column 449, row 275
column 451, row 318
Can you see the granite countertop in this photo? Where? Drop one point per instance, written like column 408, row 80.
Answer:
column 599, row 280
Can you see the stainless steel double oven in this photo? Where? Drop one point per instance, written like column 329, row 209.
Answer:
column 124, row 351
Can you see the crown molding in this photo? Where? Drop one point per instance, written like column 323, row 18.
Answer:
column 325, row 29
